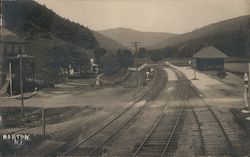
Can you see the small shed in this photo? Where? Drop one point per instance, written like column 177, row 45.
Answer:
column 210, row 59
column 10, row 46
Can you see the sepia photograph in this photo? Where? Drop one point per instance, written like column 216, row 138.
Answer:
column 124, row 78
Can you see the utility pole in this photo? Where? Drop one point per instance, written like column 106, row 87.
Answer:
column 21, row 56
column 1, row 29
column 247, row 77
column 146, row 63
column 21, row 84
column 33, row 74
column 248, row 53
column 1, row 17
column 245, row 94
column 145, row 58
column 194, row 66
column 135, row 45
column 10, row 73
column 43, row 123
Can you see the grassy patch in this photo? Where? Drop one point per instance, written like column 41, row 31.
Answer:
column 240, row 118
column 12, row 117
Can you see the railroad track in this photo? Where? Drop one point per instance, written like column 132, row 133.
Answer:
column 146, row 94
column 143, row 94
column 213, row 137
column 93, row 144
column 163, row 138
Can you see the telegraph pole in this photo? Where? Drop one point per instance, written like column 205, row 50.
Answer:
column 10, row 73
column 43, row 123
column 135, row 45
column 33, row 74
column 21, row 84
column 194, row 66
column 146, row 63
column 1, row 17
column 248, row 53
column 247, row 78
column 21, row 56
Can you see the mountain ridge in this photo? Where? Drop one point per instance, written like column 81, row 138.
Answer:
column 204, row 30
column 131, row 29
column 107, row 43
column 126, row 35
column 230, row 36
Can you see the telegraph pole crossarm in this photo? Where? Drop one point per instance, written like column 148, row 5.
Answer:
column 248, row 56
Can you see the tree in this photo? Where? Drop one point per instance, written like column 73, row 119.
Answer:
column 125, row 58
column 109, row 64
column 155, row 55
column 81, row 61
column 99, row 52
column 141, row 52
column 169, row 52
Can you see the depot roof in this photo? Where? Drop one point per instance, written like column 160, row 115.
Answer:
column 210, row 52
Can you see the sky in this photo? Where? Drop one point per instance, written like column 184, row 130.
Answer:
column 173, row 16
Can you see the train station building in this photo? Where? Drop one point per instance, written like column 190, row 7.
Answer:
column 210, row 59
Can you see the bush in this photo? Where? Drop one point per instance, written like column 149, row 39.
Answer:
column 156, row 55
column 109, row 64
column 125, row 58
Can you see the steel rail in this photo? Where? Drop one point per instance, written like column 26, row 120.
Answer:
column 177, row 120
column 28, row 128
column 115, row 118
column 116, row 131
column 199, row 129
column 231, row 152
column 158, row 121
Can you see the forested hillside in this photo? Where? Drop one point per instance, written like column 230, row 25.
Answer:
column 29, row 17
column 230, row 36
column 55, row 42
column 109, row 44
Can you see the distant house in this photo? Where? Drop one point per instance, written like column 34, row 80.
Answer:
column 210, row 59
column 93, row 66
